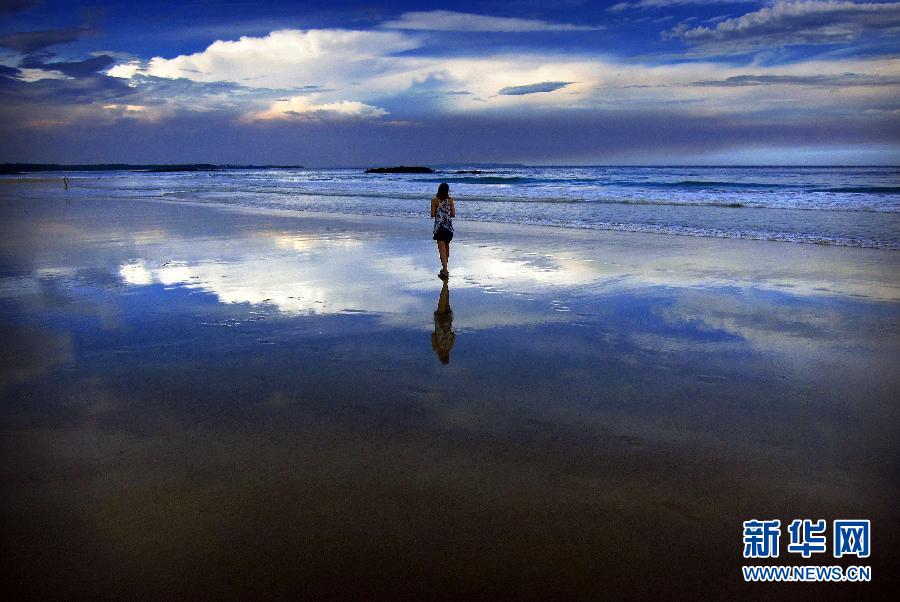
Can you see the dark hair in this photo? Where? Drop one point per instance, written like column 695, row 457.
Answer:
column 443, row 191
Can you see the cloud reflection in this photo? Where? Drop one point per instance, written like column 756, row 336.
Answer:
column 338, row 269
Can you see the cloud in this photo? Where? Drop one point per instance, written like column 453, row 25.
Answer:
column 31, row 41
column 843, row 79
column 448, row 20
column 49, row 97
column 533, row 88
column 35, row 89
column 8, row 72
column 792, row 23
column 126, row 108
column 303, row 107
column 125, row 70
column 70, row 68
column 33, row 75
column 286, row 58
column 14, row 6
column 657, row 4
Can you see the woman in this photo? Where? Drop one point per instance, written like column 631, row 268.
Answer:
column 443, row 212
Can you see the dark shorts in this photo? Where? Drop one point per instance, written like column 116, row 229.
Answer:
column 443, row 234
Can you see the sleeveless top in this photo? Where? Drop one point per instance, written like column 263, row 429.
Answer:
column 442, row 216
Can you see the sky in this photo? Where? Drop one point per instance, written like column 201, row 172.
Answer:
column 542, row 82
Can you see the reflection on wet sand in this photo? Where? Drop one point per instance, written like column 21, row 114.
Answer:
column 217, row 404
column 443, row 337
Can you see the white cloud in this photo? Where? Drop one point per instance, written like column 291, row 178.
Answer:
column 303, row 107
column 288, row 58
column 131, row 108
column 656, row 4
column 806, row 22
column 33, row 75
column 448, row 20
column 125, row 70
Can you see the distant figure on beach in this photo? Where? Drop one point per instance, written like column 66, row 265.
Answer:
column 443, row 212
column 66, row 182
column 443, row 337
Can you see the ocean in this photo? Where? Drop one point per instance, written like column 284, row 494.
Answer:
column 847, row 206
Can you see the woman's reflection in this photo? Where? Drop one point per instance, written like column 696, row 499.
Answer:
column 443, row 337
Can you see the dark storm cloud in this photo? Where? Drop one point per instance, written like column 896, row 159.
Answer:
column 83, row 84
column 844, row 79
column 85, row 67
column 8, row 72
column 83, row 94
column 75, row 69
column 794, row 23
column 13, row 6
column 31, row 41
column 79, row 91
column 532, row 88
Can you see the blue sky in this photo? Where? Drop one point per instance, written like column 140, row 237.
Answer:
column 539, row 82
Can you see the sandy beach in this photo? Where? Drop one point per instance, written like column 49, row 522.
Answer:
column 201, row 401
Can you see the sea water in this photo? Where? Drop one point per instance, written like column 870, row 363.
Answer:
column 849, row 206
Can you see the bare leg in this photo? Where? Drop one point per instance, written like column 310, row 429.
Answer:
column 442, row 251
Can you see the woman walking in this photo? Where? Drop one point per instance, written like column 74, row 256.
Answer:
column 443, row 212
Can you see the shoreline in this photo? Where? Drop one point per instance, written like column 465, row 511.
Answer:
column 862, row 220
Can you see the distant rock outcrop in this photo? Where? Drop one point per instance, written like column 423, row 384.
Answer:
column 471, row 171
column 400, row 169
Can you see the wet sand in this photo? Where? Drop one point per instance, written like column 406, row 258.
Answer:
column 209, row 402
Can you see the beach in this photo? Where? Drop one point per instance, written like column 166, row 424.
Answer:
column 204, row 400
